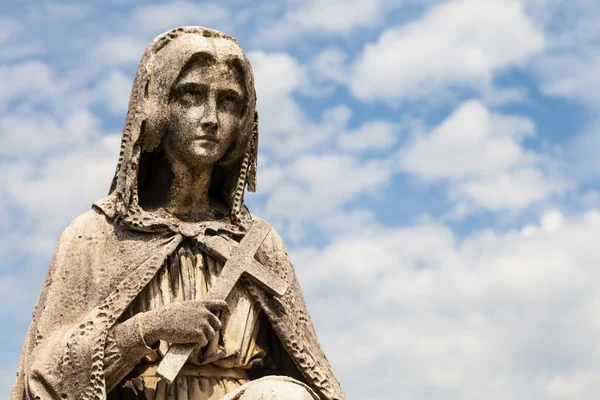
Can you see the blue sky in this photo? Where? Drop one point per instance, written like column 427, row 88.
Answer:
column 432, row 166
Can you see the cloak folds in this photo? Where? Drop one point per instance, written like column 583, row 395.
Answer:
column 98, row 268
column 108, row 255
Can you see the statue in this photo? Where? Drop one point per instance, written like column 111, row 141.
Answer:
column 138, row 276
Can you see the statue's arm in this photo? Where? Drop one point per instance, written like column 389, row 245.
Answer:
column 43, row 354
column 66, row 342
column 125, row 347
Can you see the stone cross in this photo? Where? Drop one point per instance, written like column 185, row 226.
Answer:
column 240, row 261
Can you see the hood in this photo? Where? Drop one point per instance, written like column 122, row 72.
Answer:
column 146, row 124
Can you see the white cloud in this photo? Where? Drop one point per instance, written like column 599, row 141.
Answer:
column 317, row 17
column 53, row 169
column 471, row 141
column 480, row 155
column 456, row 43
column 30, row 80
column 568, row 67
column 574, row 76
column 552, row 221
column 312, row 167
column 286, row 130
column 16, row 51
column 372, row 135
column 8, row 29
column 118, row 50
column 511, row 190
column 27, row 136
column 590, row 199
column 311, row 135
column 330, row 65
column 158, row 18
column 335, row 15
column 277, row 77
column 340, row 222
column 582, row 153
column 452, row 316
column 318, row 185
column 114, row 90
column 55, row 189
column 58, row 12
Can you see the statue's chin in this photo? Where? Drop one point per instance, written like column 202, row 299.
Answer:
column 204, row 153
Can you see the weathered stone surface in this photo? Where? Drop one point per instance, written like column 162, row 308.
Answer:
column 272, row 388
column 172, row 258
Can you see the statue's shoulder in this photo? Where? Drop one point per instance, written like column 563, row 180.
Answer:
column 274, row 244
column 92, row 223
column 273, row 234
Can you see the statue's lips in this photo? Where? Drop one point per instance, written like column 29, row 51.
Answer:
column 206, row 138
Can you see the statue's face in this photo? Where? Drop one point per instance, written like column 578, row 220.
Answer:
column 205, row 114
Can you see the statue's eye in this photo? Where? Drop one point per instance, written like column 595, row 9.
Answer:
column 228, row 101
column 191, row 97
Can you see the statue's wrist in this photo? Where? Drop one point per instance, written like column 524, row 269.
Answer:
column 130, row 338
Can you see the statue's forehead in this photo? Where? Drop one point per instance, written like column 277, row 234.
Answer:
column 183, row 47
column 219, row 75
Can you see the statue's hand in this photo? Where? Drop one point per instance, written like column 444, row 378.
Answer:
column 189, row 321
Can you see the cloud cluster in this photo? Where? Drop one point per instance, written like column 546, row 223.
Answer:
column 330, row 17
column 33, row 81
column 54, row 169
column 568, row 68
column 492, row 315
column 312, row 167
column 480, row 154
column 160, row 18
column 459, row 43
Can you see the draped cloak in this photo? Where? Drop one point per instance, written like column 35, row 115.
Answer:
column 106, row 257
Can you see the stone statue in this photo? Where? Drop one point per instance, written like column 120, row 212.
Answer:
column 128, row 280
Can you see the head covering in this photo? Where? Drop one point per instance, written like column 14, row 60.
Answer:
column 147, row 123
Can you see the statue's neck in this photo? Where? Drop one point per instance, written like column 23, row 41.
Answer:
column 189, row 193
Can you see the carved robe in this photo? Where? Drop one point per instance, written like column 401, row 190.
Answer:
column 188, row 275
column 119, row 249
column 98, row 269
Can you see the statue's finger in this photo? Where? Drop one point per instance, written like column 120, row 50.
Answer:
column 208, row 331
column 213, row 321
column 216, row 305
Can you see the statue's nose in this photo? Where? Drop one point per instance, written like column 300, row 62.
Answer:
column 209, row 126
column 208, row 120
